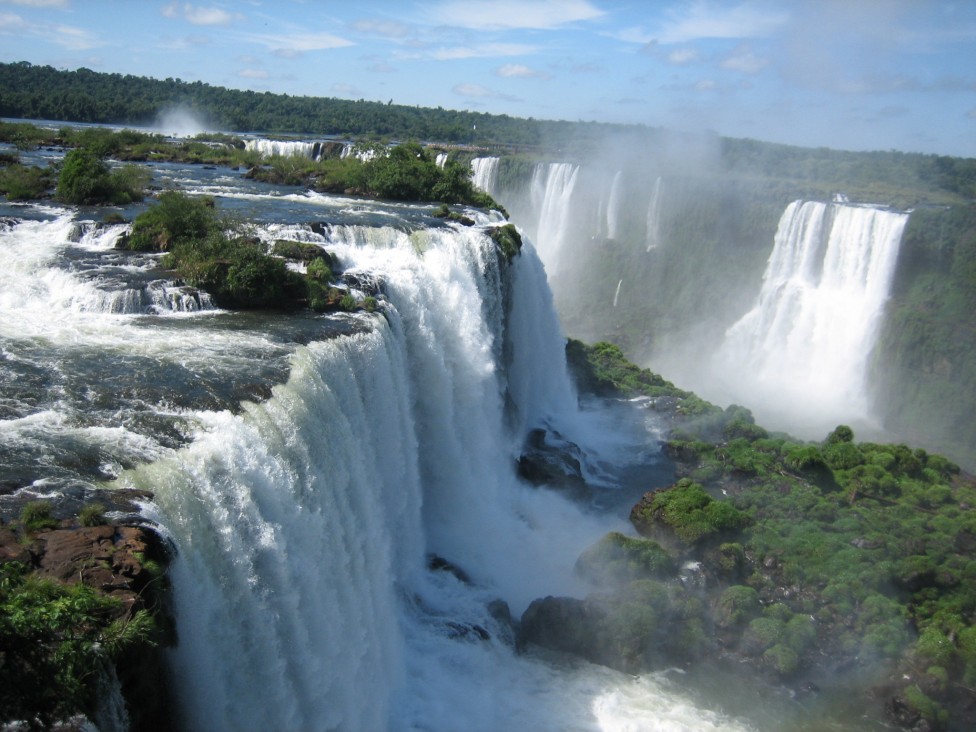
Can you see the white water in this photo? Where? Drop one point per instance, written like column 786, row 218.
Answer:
column 652, row 236
column 484, row 174
column 614, row 206
column 551, row 193
column 441, row 159
column 804, row 347
column 282, row 148
column 301, row 592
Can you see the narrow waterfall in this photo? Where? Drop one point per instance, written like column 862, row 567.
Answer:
column 652, row 236
column 552, row 192
column 807, row 341
column 485, row 174
column 613, row 206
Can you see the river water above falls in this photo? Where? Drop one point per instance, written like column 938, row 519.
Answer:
column 305, row 467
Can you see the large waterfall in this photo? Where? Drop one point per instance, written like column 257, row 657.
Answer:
column 484, row 174
column 805, row 344
column 306, row 468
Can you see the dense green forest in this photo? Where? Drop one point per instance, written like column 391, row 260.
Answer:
column 43, row 92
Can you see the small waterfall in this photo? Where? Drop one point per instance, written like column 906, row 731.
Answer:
column 485, row 174
column 551, row 192
column 807, row 341
column 613, row 206
column 441, row 159
column 283, row 148
column 616, row 294
column 653, row 221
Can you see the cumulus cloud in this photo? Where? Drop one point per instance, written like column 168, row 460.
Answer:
column 520, row 71
column 513, row 14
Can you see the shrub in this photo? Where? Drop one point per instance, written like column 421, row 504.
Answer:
column 736, row 605
column 36, row 516
column 621, row 558
column 175, row 218
column 92, row 514
column 693, row 514
column 20, row 183
column 55, row 640
column 83, row 178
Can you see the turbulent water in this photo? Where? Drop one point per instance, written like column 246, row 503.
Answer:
column 306, row 467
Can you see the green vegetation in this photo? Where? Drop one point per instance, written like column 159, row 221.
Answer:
column 36, row 516
column 221, row 257
column 20, row 183
column 86, row 179
column 838, row 552
column 618, row 558
column 55, row 641
column 508, row 239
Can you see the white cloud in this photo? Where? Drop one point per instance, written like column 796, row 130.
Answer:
column 705, row 85
column 479, row 50
column 682, row 56
column 253, row 74
column 197, row 15
column 512, row 14
column 347, row 90
column 520, row 71
column 703, row 19
column 38, row 3
column 383, row 28
column 292, row 46
column 477, row 91
column 745, row 61
column 66, row 36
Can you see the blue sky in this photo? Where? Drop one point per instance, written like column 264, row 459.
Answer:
column 848, row 74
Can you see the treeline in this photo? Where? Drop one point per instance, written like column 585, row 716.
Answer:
column 43, row 92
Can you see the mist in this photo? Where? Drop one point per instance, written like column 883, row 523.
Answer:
column 656, row 243
column 181, row 121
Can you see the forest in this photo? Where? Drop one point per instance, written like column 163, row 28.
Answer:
column 29, row 91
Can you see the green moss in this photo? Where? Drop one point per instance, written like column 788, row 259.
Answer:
column 782, row 658
column 508, row 239
column 620, row 558
column 693, row 514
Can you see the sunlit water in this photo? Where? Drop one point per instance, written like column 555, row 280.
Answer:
column 305, row 467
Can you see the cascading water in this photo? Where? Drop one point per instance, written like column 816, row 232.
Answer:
column 613, row 206
column 551, row 192
column 484, row 174
column 652, row 235
column 303, row 521
column 806, row 343
column 283, row 148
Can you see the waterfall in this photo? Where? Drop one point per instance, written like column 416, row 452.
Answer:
column 485, row 174
column 283, row 148
column 807, row 340
column 613, row 206
column 441, row 159
column 551, row 192
column 653, row 221
column 303, row 522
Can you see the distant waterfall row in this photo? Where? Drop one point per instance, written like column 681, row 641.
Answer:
column 307, row 149
column 805, row 342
